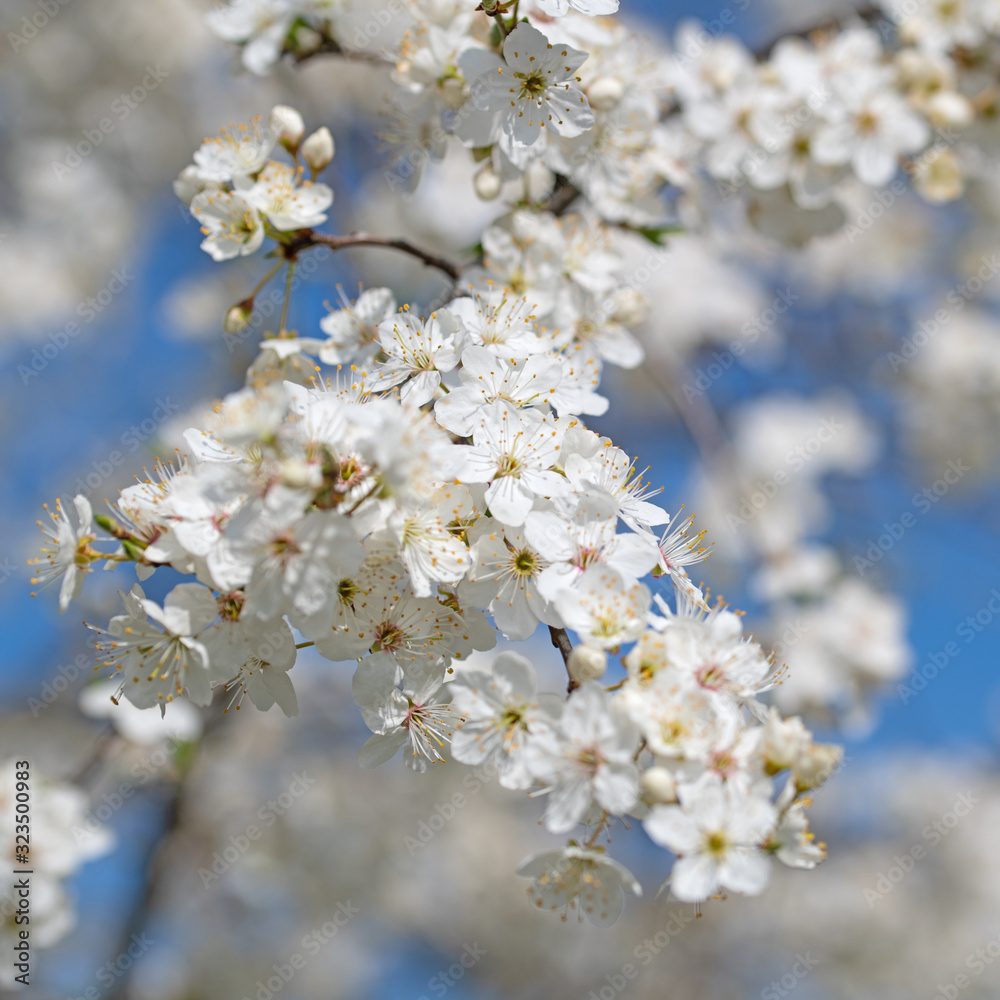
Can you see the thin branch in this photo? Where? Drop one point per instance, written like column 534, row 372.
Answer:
column 561, row 641
column 697, row 413
column 497, row 16
column 283, row 326
column 156, row 862
column 559, row 202
column 308, row 238
column 329, row 46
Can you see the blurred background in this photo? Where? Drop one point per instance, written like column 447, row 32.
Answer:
column 871, row 565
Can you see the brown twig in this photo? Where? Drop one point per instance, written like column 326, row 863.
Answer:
column 561, row 641
column 308, row 238
column 564, row 194
column 329, row 46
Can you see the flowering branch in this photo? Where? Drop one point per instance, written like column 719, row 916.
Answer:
column 452, row 492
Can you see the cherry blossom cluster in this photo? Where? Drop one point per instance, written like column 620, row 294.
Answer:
column 239, row 195
column 582, row 101
column 440, row 487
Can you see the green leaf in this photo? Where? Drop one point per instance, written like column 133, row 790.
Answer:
column 655, row 234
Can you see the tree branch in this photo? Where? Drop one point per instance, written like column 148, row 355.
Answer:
column 308, row 238
column 329, row 46
column 561, row 641
column 698, row 416
column 564, row 194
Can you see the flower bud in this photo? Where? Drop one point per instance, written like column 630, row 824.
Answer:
column 605, row 93
column 949, row 109
column 631, row 307
column 938, row 176
column 658, row 785
column 785, row 741
column 587, row 663
column 488, row 184
column 190, row 183
column 539, row 182
column 318, row 149
column 816, row 764
column 307, row 39
column 297, row 474
column 287, row 124
column 238, row 317
column 917, row 68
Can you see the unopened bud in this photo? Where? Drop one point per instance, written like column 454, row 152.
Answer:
column 297, row 474
column 318, row 149
column 938, row 176
column 949, row 109
column 913, row 65
column 287, row 124
column 631, row 307
column 816, row 764
column 238, row 317
column 658, row 785
column 539, row 182
column 190, row 183
column 587, row 663
column 605, row 93
column 307, row 39
column 785, row 742
column 488, row 184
